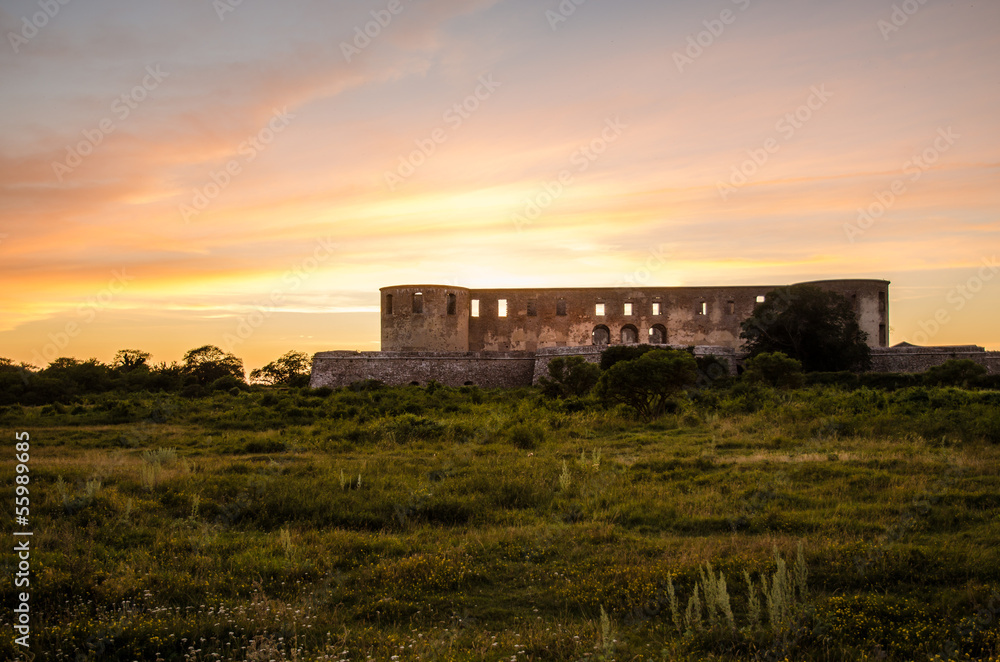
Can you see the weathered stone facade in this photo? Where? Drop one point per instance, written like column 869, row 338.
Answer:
column 486, row 369
column 506, row 337
column 435, row 318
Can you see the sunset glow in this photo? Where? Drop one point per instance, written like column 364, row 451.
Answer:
column 174, row 172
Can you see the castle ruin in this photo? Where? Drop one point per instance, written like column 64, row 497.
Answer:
column 506, row 337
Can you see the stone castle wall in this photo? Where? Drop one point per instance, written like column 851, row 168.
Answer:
column 919, row 359
column 491, row 370
column 506, row 337
column 514, row 369
column 444, row 318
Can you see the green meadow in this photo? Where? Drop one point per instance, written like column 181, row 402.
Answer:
column 435, row 523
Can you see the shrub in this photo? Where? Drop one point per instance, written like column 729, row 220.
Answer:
column 888, row 380
column 954, row 372
column 365, row 385
column 571, row 376
column 616, row 353
column 648, row 383
column 193, row 391
column 844, row 378
column 228, row 383
column 712, row 370
column 526, row 435
column 774, row 369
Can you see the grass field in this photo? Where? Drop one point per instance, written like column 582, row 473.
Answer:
column 460, row 524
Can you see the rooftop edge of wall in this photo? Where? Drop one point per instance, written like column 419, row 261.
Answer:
column 829, row 281
column 349, row 354
column 933, row 349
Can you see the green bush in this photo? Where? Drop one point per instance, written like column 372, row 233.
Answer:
column 366, row 385
column 647, row 384
column 954, row 372
column 616, row 353
column 526, row 435
column 570, row 376
column 774, row 369
column 228, row 383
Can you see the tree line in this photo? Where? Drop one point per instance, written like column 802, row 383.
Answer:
column 202, row 370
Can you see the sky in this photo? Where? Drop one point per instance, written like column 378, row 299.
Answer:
column 248, row 174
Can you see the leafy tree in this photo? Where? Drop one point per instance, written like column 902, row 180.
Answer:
column 292, row 369
column 815, row 326
column 570, row 376
column 774, row 369
column 208, row 363
column 616, row 353
column 127, row 360
column 165, row 377
column 648, row 383
column 90, row 376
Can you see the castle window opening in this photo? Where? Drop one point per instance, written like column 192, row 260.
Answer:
column 501, row 308
column 532, row 308
column 657, row 307
column 881, row 302
column 601, row 335
column 452, row 304
column 388, row 304
column 657, row 334
column 760, row 298
column 882, row 340
column 599, row 309
column 703, row 308
column 561, row 307
column 732, row 307
column 854, row 301
column 474, row 308
column 630, row 335
column 418, row 302
column 627, row 309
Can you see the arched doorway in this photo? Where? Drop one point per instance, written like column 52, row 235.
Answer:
column 629, row 335
column 601, row 335
column 657, row 334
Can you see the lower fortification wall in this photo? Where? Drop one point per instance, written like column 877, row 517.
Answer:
column 919, row 359
column 513, row 369
column 488, row 370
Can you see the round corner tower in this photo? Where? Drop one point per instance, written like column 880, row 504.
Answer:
column 428, row 318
